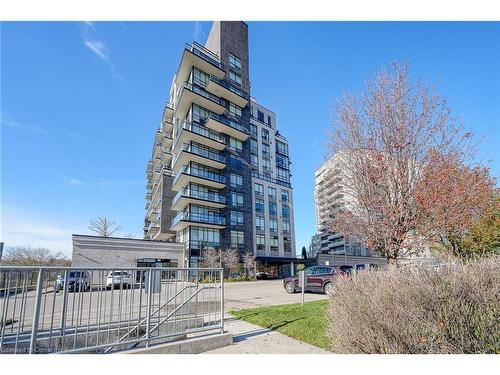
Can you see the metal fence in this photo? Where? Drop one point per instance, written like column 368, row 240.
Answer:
column 101, row 310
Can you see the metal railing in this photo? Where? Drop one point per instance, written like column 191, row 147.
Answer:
column 198, row 218
column 226, row 121
column 102, row 310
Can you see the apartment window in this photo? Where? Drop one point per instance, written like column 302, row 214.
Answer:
column 265, row 135
column 235, row 77
column 266, row 164
column 272, row 193
column 282, row 148
column 201, row 237
column 237, row 239
column 259, row 223
column 282, row 174
column 273, row 225
column 273, row 208
column 269, row 120
column 259, row 190
column 200, row 78
column 259, row 205
column 236, row 180
column 253, row 130
column 284, row 195
column 235, row 144
column 235, row 161
column 254, row 145
column 199, row 113
column 234, row 62
column 234, row 110
column 266, row 150
column 287, row 245
column 281, row 161
column 236, row 199
column 285, row 210
column 274, row 243
column 260, row 240
column 254, row 160
column 286, row 227
column 260, row 116
column 236, row 218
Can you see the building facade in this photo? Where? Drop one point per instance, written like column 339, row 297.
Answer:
column 203, row 171
column 96, row 251
column 329, row 195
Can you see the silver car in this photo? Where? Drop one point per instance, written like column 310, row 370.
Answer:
column 77, row 281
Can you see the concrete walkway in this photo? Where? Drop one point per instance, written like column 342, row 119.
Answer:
column 251, row 339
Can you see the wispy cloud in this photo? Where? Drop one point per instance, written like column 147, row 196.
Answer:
column 93, row 43
column 5, row 122
column 28, row 228
column 75, row 136
column 101, row 183
column 198, row 33
column 99, row 49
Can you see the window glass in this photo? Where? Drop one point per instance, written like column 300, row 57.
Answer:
column 236, row 180
column 260, row 116
column 234, row 62
column 261, row 241
column 273, row 210
column 235, row 77
column 284, row 195
column 235, row 144
column 265, row 135
column 272, row 193
column 200, row 78
column 273, row 225
column 259, row 223
column 273, row 243
column 269, row 120
column 234, row 110
column 237, row 218
column 236, row 199
column 259, row 205
column 259, row 190
column 237, row 239
column 285, row 211
column 253, row 130
column 254, row 160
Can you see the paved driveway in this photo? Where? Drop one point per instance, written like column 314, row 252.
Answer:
column 249, row 294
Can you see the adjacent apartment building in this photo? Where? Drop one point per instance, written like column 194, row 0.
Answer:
column 329, row 195
column 219, row 173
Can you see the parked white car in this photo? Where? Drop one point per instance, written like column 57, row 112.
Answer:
column 119, row 279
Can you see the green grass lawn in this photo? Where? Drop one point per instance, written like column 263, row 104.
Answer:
column 307, row 323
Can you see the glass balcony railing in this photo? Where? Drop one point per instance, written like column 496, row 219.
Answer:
column 194, row 149
column 229, row 86
column 201, row 91
column 200, row 130
column 207, row 196
column 199, row 244
column 270, row 179
column 199, row 218
column 205, row 54
column 226, row 121
column 197, row 172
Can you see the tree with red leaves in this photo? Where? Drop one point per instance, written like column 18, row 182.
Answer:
column 405, row 168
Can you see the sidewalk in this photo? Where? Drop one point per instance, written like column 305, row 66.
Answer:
column 251, row 339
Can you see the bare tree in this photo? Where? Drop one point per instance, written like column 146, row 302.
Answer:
column 33, row 256
column 389, row 143
column 211, row 257
column 104, row 227
column 249, row 262
column 231, row 259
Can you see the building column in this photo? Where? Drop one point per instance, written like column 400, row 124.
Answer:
column 291, row 269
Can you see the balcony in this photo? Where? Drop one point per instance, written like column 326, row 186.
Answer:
column 184, row 219
column 193, row 153
column 186, row 196
column 196, row 94
column 202, row 58
column 199, row 176
column 201, row 134
column 224, row 125
column 270, row 179
column 226, row 90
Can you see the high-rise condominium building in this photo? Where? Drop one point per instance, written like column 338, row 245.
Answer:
column 329, row 195
column 219, row 174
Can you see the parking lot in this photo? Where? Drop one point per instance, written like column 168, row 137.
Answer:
column 240, row 295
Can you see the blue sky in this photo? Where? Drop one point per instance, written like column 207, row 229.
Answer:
column 80, row 104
